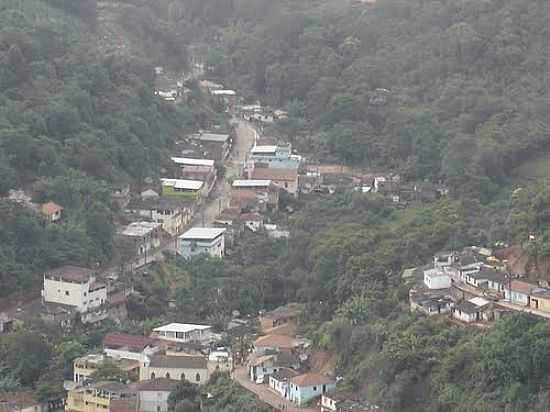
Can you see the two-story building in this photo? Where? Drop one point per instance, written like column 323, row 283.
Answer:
column 274, row 156
column 217, row 145
column 197, row 241
column 140, row 237
column 197, row 169
column 75, row 287
column 100, row 397
column 172, row 213
column 264, row 190
column 85, row 366
column 436, row 279
column 153, row 394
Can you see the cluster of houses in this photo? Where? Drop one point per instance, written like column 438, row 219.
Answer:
column 153, row 365
column 50, row 212
column 279, row 360
column 474, row 286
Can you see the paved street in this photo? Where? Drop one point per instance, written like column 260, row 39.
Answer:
column 265, row 394
column 220, row 196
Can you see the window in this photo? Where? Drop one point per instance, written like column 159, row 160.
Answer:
column 182, row 376
column 315, row 388
column 167, row 375
column 198, row 377
column 85, row 293
column 66, row 293
column 153, row 375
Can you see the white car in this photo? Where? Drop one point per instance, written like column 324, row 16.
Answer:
column 260, row 379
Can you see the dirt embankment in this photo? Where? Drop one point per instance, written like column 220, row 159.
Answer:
column 521, row 263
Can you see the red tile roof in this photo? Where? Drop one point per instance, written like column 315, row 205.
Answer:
column 121, row 340
column 158, row 385
column 522, row 286
column 50, row 208
column 265, row 173
column 71, row 273
column 310, row 379
column 276, row 341
column 251, row 217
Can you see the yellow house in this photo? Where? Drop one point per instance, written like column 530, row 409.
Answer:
column 85, row 366
column 98, row 397
column 540, row 299
column 190, row 189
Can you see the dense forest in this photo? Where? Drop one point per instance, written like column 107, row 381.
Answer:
column 439, row 90
column 434, row 89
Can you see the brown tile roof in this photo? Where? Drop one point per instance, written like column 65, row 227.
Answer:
column 16, row 401
column 284, row 374
column 183, row 362
column 522, row 287
column 157, row 385
column 310, row 379
column 122, row 405
column 50, row 208
column 121, row 340
column 71, row 273
column 276, row 341
column 264, row 173
column 251, row 217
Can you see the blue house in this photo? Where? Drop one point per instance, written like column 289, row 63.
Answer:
column 279, row 157
column 304, row 388
column 518, row 292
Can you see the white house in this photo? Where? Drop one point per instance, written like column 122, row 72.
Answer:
column 183, row 333
column 123, row 346
column 306, row 387
column 153, row 394
column 471, row 310
column 191, row 368
column 278, row 381
column 220, row 360
column 202, row 240
column 74, row 286
column 436, row 279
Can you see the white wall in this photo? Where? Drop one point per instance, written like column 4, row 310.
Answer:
column 151, row 401
column 437, row 281
column 175, row 373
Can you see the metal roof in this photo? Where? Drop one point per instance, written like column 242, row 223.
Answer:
column 263, row 149
column 203, row 233
column 211, row 137
column 227, row 92
column 182, row 183
column 181, row 327
column 192, row 162
column 251, row 183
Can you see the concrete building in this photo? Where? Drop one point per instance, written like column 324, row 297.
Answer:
column 278, row 381
column 518, row 292
column 217, row 145
column 153, row 394
column 140, row 237
column 183, row 333
column 202, row 241
column 436, row 279
column 75, row 287
column 100, row 397
column 274, row 156
column 197, row 169
column 191, row 368
column 220, row 360
column 172, row 213
column 85, row 366
column 264, row 191
column 22, row 401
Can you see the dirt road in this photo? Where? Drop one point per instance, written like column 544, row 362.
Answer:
column 266, row 394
